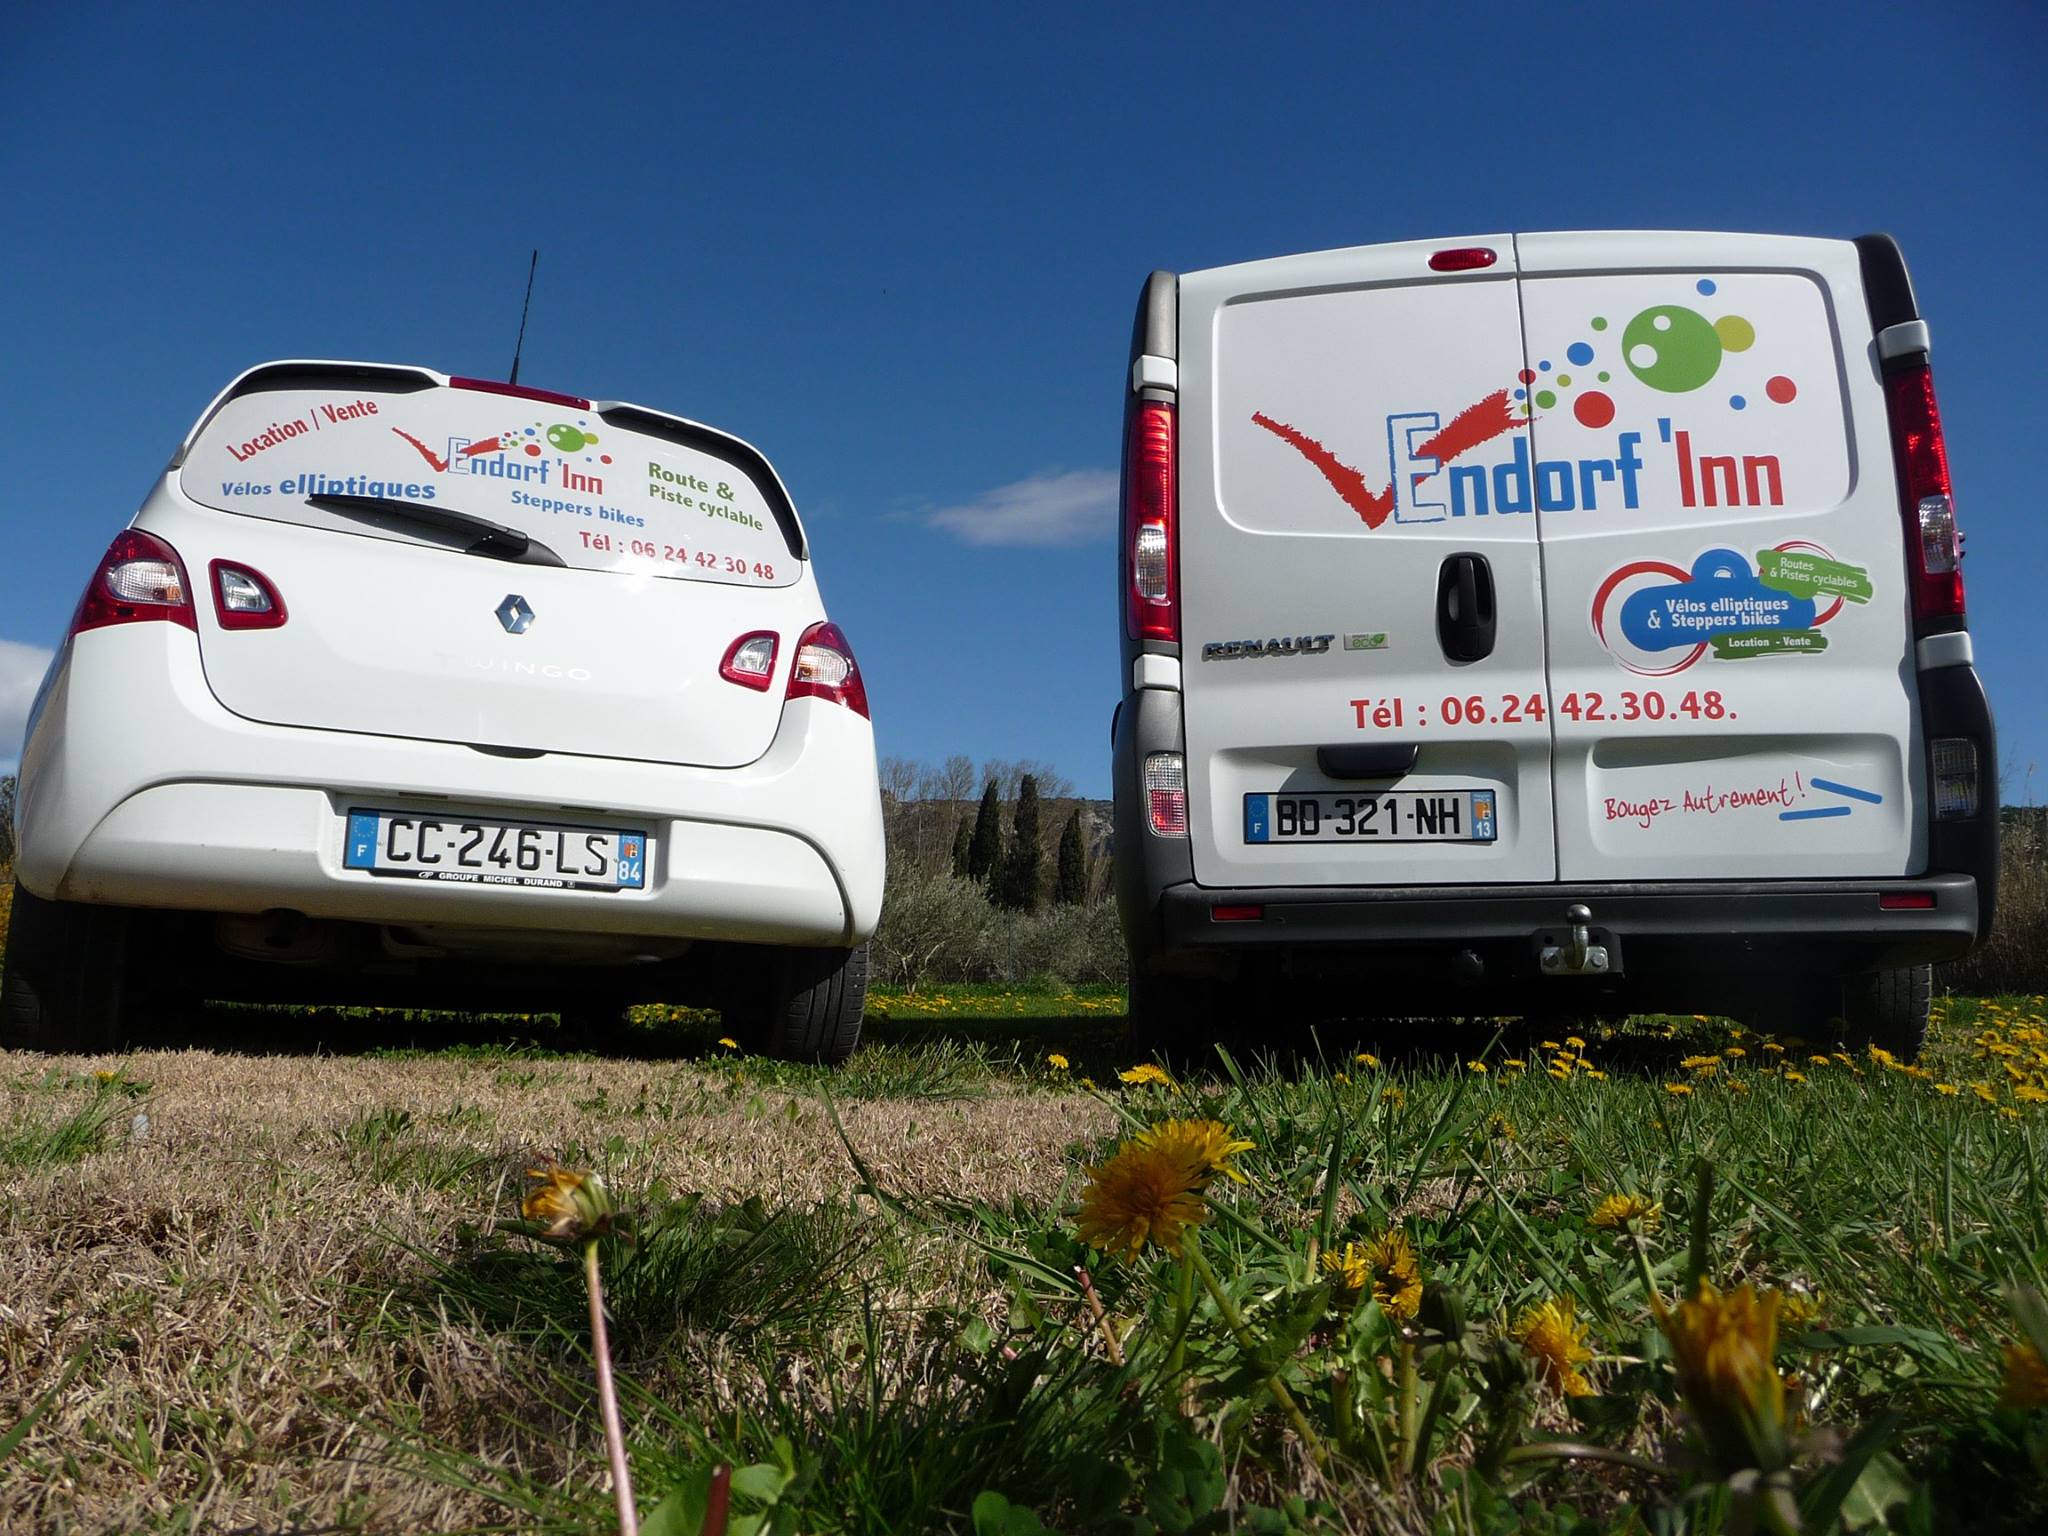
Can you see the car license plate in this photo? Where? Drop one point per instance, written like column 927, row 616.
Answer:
column 1382, row 816
column 479, row 850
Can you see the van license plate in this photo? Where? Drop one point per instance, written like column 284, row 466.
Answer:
column 478, row 850
column 1389, row 816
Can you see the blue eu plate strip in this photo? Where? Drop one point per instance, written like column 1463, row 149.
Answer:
column 360, row 852
column 1258, row 818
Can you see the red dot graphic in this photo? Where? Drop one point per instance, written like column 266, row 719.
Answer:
column 1781, row 389
column 606, row 457
column 1593, row 409
column 1526, row 377
column 534, row 449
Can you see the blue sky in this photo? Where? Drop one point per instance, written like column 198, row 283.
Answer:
column 899, row 249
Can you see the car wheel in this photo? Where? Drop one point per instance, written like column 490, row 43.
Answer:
column 808, row 1005
column 1176, row 1021
column 66, row 982
column 1889, row 1010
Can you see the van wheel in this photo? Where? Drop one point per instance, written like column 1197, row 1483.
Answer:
column 808, row 1005
column 1889, row 1009
column 1176, row 1021
column 65, row 986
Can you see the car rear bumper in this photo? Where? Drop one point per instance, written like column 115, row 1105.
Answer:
column 1499, row 933
column 139, row 789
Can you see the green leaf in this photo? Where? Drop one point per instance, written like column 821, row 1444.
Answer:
column 1824, row 1500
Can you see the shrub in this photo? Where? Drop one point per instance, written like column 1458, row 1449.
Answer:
column 2015, row 958
column 938, row 929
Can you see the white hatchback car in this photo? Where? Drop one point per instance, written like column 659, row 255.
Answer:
column 404, row 688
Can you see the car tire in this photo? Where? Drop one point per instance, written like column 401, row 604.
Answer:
column 65, row 986
column 1176, row 1021
column 1889, row 1010
column 808, row 1005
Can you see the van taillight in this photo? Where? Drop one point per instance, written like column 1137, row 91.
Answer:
column 1934, row 545
column 1151, row 525
column 140, row 579
column 750, row 660
column 243, row 597
column 825, row 669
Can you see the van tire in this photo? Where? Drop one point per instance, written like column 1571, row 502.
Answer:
column 65, row 986
column 1175, row 1021
column 807, row 1006
column 1889, row 1010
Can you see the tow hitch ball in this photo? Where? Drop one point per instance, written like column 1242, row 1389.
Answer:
column 1578, row 956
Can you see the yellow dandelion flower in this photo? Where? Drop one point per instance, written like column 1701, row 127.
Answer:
column 1724, row 1345
column 1366, row 1059
column 1947, row 1090
column 1620, row 1210
column 1701, row 1063
column 1735, row 1085
column 1387, row 1265
column 2006, row 1111
column 1794, row 1075
column 1843, row 1057
column 1207, row 1144
column 1678, row 1090
column 1340, row 1077
column 1475, row 1066
column 1516, row 1062
column 1562, row 1074
column 1820, row 1061
column 1575, row 1042
column 2025, row 1385
column 1501, row 1128
column 1596, row 1074
column 1142, row 1196
column 1985, row 1092
column 1735, row 1052
column 1552, row 1336
column 1057, row 1062
column 570, row 1206
column 2029, row 1093
column 1774, row 1048
column 728, row 1042
column 1550, row 1045
column 1146, row 1072
column 1798, row 1308
column 1395, row 1096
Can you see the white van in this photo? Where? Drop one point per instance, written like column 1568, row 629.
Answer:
column 1546, row 623
column 404, row 688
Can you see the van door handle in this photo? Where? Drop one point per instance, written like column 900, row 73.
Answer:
column 1464, row 607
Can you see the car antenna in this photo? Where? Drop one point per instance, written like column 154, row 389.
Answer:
column 520, row 345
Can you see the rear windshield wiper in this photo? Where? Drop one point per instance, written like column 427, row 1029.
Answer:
column 492, row 539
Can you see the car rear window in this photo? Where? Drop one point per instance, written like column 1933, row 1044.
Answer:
column 623, row 490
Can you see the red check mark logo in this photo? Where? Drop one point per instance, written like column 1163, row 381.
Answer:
column 1472, row 426
column 440, row 464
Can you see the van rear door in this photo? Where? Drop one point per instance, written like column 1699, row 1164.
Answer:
column 1362, row 618
column 1730, row 665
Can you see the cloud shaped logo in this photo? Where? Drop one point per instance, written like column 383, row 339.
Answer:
column 1721, row 595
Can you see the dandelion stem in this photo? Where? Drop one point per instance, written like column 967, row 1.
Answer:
column 1244, row 1337
column 608, row 1398
column 1109, row 1339
column 1650, row 1291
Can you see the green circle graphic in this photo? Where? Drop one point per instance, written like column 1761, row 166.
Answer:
column 1671, row 348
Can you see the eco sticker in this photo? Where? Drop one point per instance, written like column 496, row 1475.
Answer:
column 1376, row 640
column 1657, row 618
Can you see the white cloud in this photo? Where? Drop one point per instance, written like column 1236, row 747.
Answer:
column 21, row 673
column 1039, row 511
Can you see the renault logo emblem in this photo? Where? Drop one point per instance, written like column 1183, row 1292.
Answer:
column 515, row 614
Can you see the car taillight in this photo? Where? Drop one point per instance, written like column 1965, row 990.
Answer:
column 1151, row 522
column 750, row 660
column 243, row 597
column 139, row 579
column 1934, row 545
column 825, row 669
column 1166, row 794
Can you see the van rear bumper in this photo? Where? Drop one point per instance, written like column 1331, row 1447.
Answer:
column 1690, row 926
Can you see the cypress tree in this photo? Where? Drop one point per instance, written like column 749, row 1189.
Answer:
column 985, row 845
column 963, row 843
column 1017, row 887
column 1070, row 883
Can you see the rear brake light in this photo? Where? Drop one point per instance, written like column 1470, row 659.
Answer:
column 1934, row 545
column 493, row 387
column 140, row 578
column 825, row 669
column 1462, row 258
column 243, row 598
column 1166, row 794
column 1239, row 914
column 1151, row 520
column 1906, row 901
column 1956, row 778
column 750, row 660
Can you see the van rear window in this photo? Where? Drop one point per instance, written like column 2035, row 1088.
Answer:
column 604, row 492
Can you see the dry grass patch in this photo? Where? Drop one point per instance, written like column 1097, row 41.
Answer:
column 244, row 1267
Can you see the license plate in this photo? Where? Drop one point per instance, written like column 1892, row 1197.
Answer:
column 479, row 850
column 1384, row 816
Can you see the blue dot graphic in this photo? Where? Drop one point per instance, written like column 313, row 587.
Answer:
column 1521, row 393
column 1544, row 367
column 1737, row 401
column 1706, row 285
column 1580, row 353
column 529, row 431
